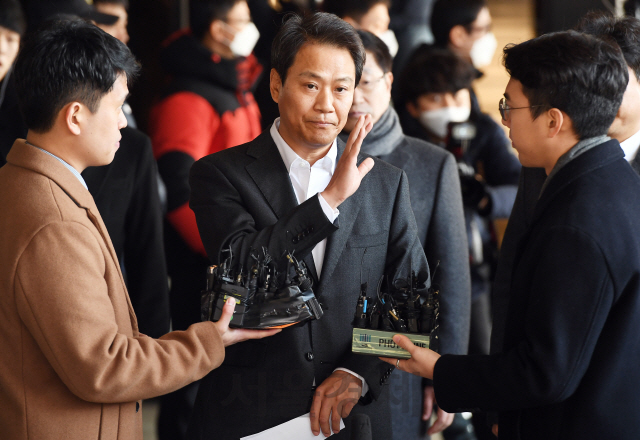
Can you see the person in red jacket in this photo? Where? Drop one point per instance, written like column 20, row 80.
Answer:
column 206, row 107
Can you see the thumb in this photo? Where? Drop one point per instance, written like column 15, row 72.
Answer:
column 365, row 167
column 227, row 314
column 405, row 343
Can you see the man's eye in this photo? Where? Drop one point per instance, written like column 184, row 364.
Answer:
column 341, row 89
column 311, row 86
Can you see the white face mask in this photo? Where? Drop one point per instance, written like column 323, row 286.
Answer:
column 245, row 40
column 389, row 38
column 483, row 49
column 437, row 121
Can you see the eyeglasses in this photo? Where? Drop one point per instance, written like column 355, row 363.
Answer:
column 505, row 110
column 369, row 86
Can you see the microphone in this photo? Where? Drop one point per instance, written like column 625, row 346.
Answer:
column 360, row 427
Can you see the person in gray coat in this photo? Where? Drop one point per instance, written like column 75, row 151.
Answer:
column 436, row 200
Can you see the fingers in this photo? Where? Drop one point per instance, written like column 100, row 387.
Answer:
column 443, row 421
column 336, row 412
column 428, row 400
column 324, row 416
column 243, row 335
column 315, row 412
column 365, row 166
column 227, row 314
column 354, row 133
column 405, row 343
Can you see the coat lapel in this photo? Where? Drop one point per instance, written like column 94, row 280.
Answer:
column 635, row 163
column 272, row 179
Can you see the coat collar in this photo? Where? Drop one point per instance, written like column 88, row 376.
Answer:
column 272, row 179
column 598, row 157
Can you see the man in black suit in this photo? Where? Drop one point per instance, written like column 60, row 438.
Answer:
column 625, row 128
column 568, row 364
column 298, row 188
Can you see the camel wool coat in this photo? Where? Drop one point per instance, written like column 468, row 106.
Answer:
column 72, row 362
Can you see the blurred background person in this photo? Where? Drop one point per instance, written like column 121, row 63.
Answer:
column 431, row 106
column 12, row 28
column 367, row 15
column 464, row 27
column 207, row 106
column 437, row 205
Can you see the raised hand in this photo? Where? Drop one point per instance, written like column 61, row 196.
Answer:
column 348, row 175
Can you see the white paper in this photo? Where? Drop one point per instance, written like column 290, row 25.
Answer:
column 296, row 429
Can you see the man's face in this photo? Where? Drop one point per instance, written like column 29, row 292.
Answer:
column 372, row 95
column 238, row 17
column 119, row 28
column 376, row 20
column 528, row 136
column 9, row 45
column 627, row 121
column 315, row 99
column 436, row 101
column 478, row 29
column 101, row 130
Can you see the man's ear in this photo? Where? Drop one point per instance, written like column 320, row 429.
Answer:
column 458, row 35
column 217, row 32
column 413, row 110
column 73, row 117
column 275, row 85
column 388, row 80
column 556, row 121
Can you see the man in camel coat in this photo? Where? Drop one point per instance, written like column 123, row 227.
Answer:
column 73, row 364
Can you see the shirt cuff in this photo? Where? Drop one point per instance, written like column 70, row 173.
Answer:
column 331, row 213
column 365, row 386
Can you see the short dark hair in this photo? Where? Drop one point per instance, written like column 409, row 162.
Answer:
column 448, row 14
column 12, row 17
column 433, row 70
column 66, row 61
column 579, row 74
column 123, row 3
column 624, row 31
column 355, row 9
column 317, row 28
column 378, row 49
column 204, row 12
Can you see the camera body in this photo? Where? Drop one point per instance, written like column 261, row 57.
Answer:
column 266, row 297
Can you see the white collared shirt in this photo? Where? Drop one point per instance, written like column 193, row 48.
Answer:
column 67, row 166
column 631, row 146
column 308, row 181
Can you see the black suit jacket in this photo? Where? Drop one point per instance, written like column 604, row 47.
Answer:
column 243, row 198
column 126, row 194
column 569, row 364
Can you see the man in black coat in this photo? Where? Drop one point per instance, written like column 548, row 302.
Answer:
column 436, row 200
column 297, row 188
column 568, row 366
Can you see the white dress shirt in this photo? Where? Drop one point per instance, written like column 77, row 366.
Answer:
column 308, row 181
column 631, row 146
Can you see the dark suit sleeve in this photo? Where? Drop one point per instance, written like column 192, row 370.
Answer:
column 565, row 310
column 447, row 242
column 404, row 253
column 227, row 219
column 144, row 257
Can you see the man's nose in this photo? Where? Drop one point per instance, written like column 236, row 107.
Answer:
column 324, row 100
column 358, row 95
